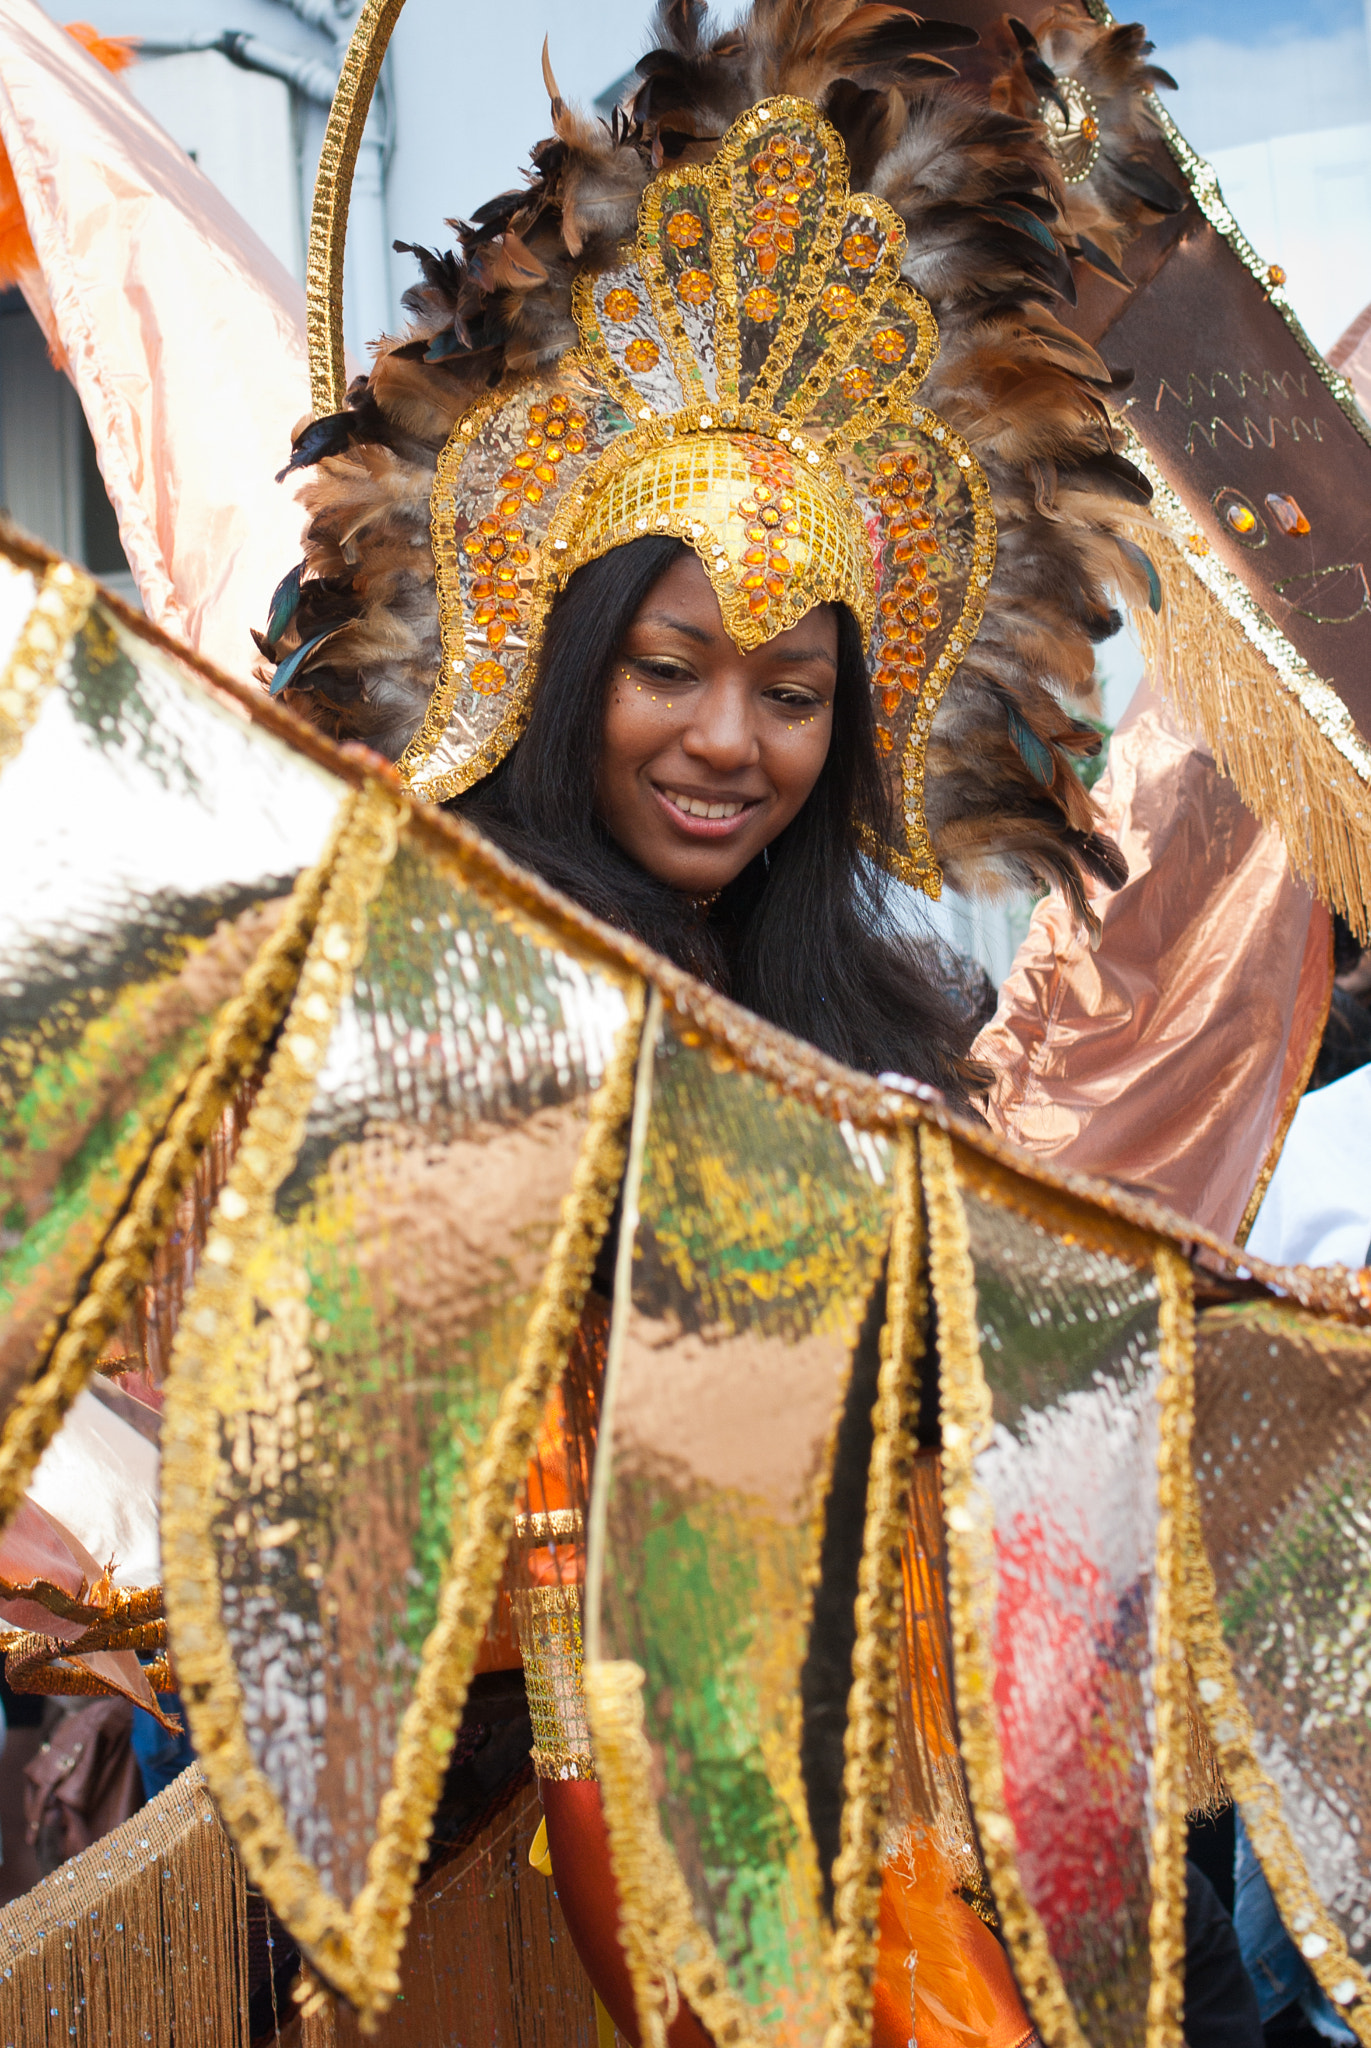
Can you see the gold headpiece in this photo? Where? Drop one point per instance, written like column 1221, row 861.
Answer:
column 745, row 380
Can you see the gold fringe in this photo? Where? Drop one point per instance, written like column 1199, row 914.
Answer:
column 141, row 1941
column 1282, row 735
column 236, row 1044
column 1230, row 1726
column 64, row 599
column 213, row 1316
column 971, row 1583
column 1170, row 1686
column 871, row 1718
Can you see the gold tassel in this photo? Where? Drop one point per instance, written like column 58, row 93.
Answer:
column 140, row 1942
column 1283, row 750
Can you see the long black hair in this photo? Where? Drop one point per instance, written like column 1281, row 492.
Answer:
column 802, row 936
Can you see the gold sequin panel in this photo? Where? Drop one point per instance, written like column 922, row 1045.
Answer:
column 1068, row 1478
column 1283, row 1466
column 390, row 1299
column 762, row 1231
column 148, row 836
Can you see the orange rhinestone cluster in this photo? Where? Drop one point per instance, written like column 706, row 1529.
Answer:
column 684, row 230
column 642, row 354
column 761, row 304
column 910, row 610
column 780, row 173
column 838, row 302
column 498, row 546
column 621, row 304
column 770, row 517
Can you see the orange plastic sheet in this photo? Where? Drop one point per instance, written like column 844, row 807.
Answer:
column 1171, row 1058
column 183, row 335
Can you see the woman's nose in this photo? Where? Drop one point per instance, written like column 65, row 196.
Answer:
column 723, row 732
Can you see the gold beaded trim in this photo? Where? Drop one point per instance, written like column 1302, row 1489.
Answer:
column 59, row 611
column 869, row 1742
column 234, row 1047
column 1170, row 1674
column 357, row 1951
column 669, row 1955
column 969, row 1517
column 1231, row 1731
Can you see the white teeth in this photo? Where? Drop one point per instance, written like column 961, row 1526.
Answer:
column 696, row 807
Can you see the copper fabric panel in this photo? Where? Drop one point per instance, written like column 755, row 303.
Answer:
column 391, row 1296
column 1168, row 1058
column 762, row 1231
column 1283, row 1466
column 148, row 834
column 1068, row 1344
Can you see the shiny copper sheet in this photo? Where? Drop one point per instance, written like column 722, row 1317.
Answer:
column 1068, row 1343
column 1168, row 1058
column 390, row 1298
column 148, row 834
column 1283, row 1466
column 762, row 1231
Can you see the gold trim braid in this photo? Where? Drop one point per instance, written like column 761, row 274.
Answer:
column 332, row 192
column 432, row 1717
column 1233, row 1736
column 1170, row 1679
column 59, row 611
column 211, row 1324
column 234, row 1048
column 971, row 1581
column 880, row 1604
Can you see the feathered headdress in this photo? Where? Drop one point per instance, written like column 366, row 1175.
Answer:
column 791, row 304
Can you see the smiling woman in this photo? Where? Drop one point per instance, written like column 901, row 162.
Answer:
column 713, row 803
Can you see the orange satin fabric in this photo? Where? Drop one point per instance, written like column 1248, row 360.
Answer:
column 182, row 333
column 1167, row 1059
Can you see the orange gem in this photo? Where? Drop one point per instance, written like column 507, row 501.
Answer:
column 1275, row 274
column 889, row 345
column 488, row 678
column 776, row 585
column 538, row 414
column 575, row 444
column 761, row 303
column 885, row 743
column 857, row 384
column 495, row 633
column 1286, row 513
column 890, row 702
column 642, row 354
column 684, row 230
column 533, row 493
column 561, row 403
column 695, row 286
column 838, row 301
column 473, row 545
column 861, row 251
column 758, row 603
column 621, row 304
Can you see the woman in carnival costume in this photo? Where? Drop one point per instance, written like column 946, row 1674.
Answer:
column 723, row 539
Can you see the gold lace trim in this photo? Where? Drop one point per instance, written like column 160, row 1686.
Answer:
column 1311, row 1926
column 870, row 1738
column 235, row 1046
column 59, row 611
column 548, row 1619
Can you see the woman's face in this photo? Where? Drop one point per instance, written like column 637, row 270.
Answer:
column 707, row 753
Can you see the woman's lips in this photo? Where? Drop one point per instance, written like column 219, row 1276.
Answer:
column 733, row 812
